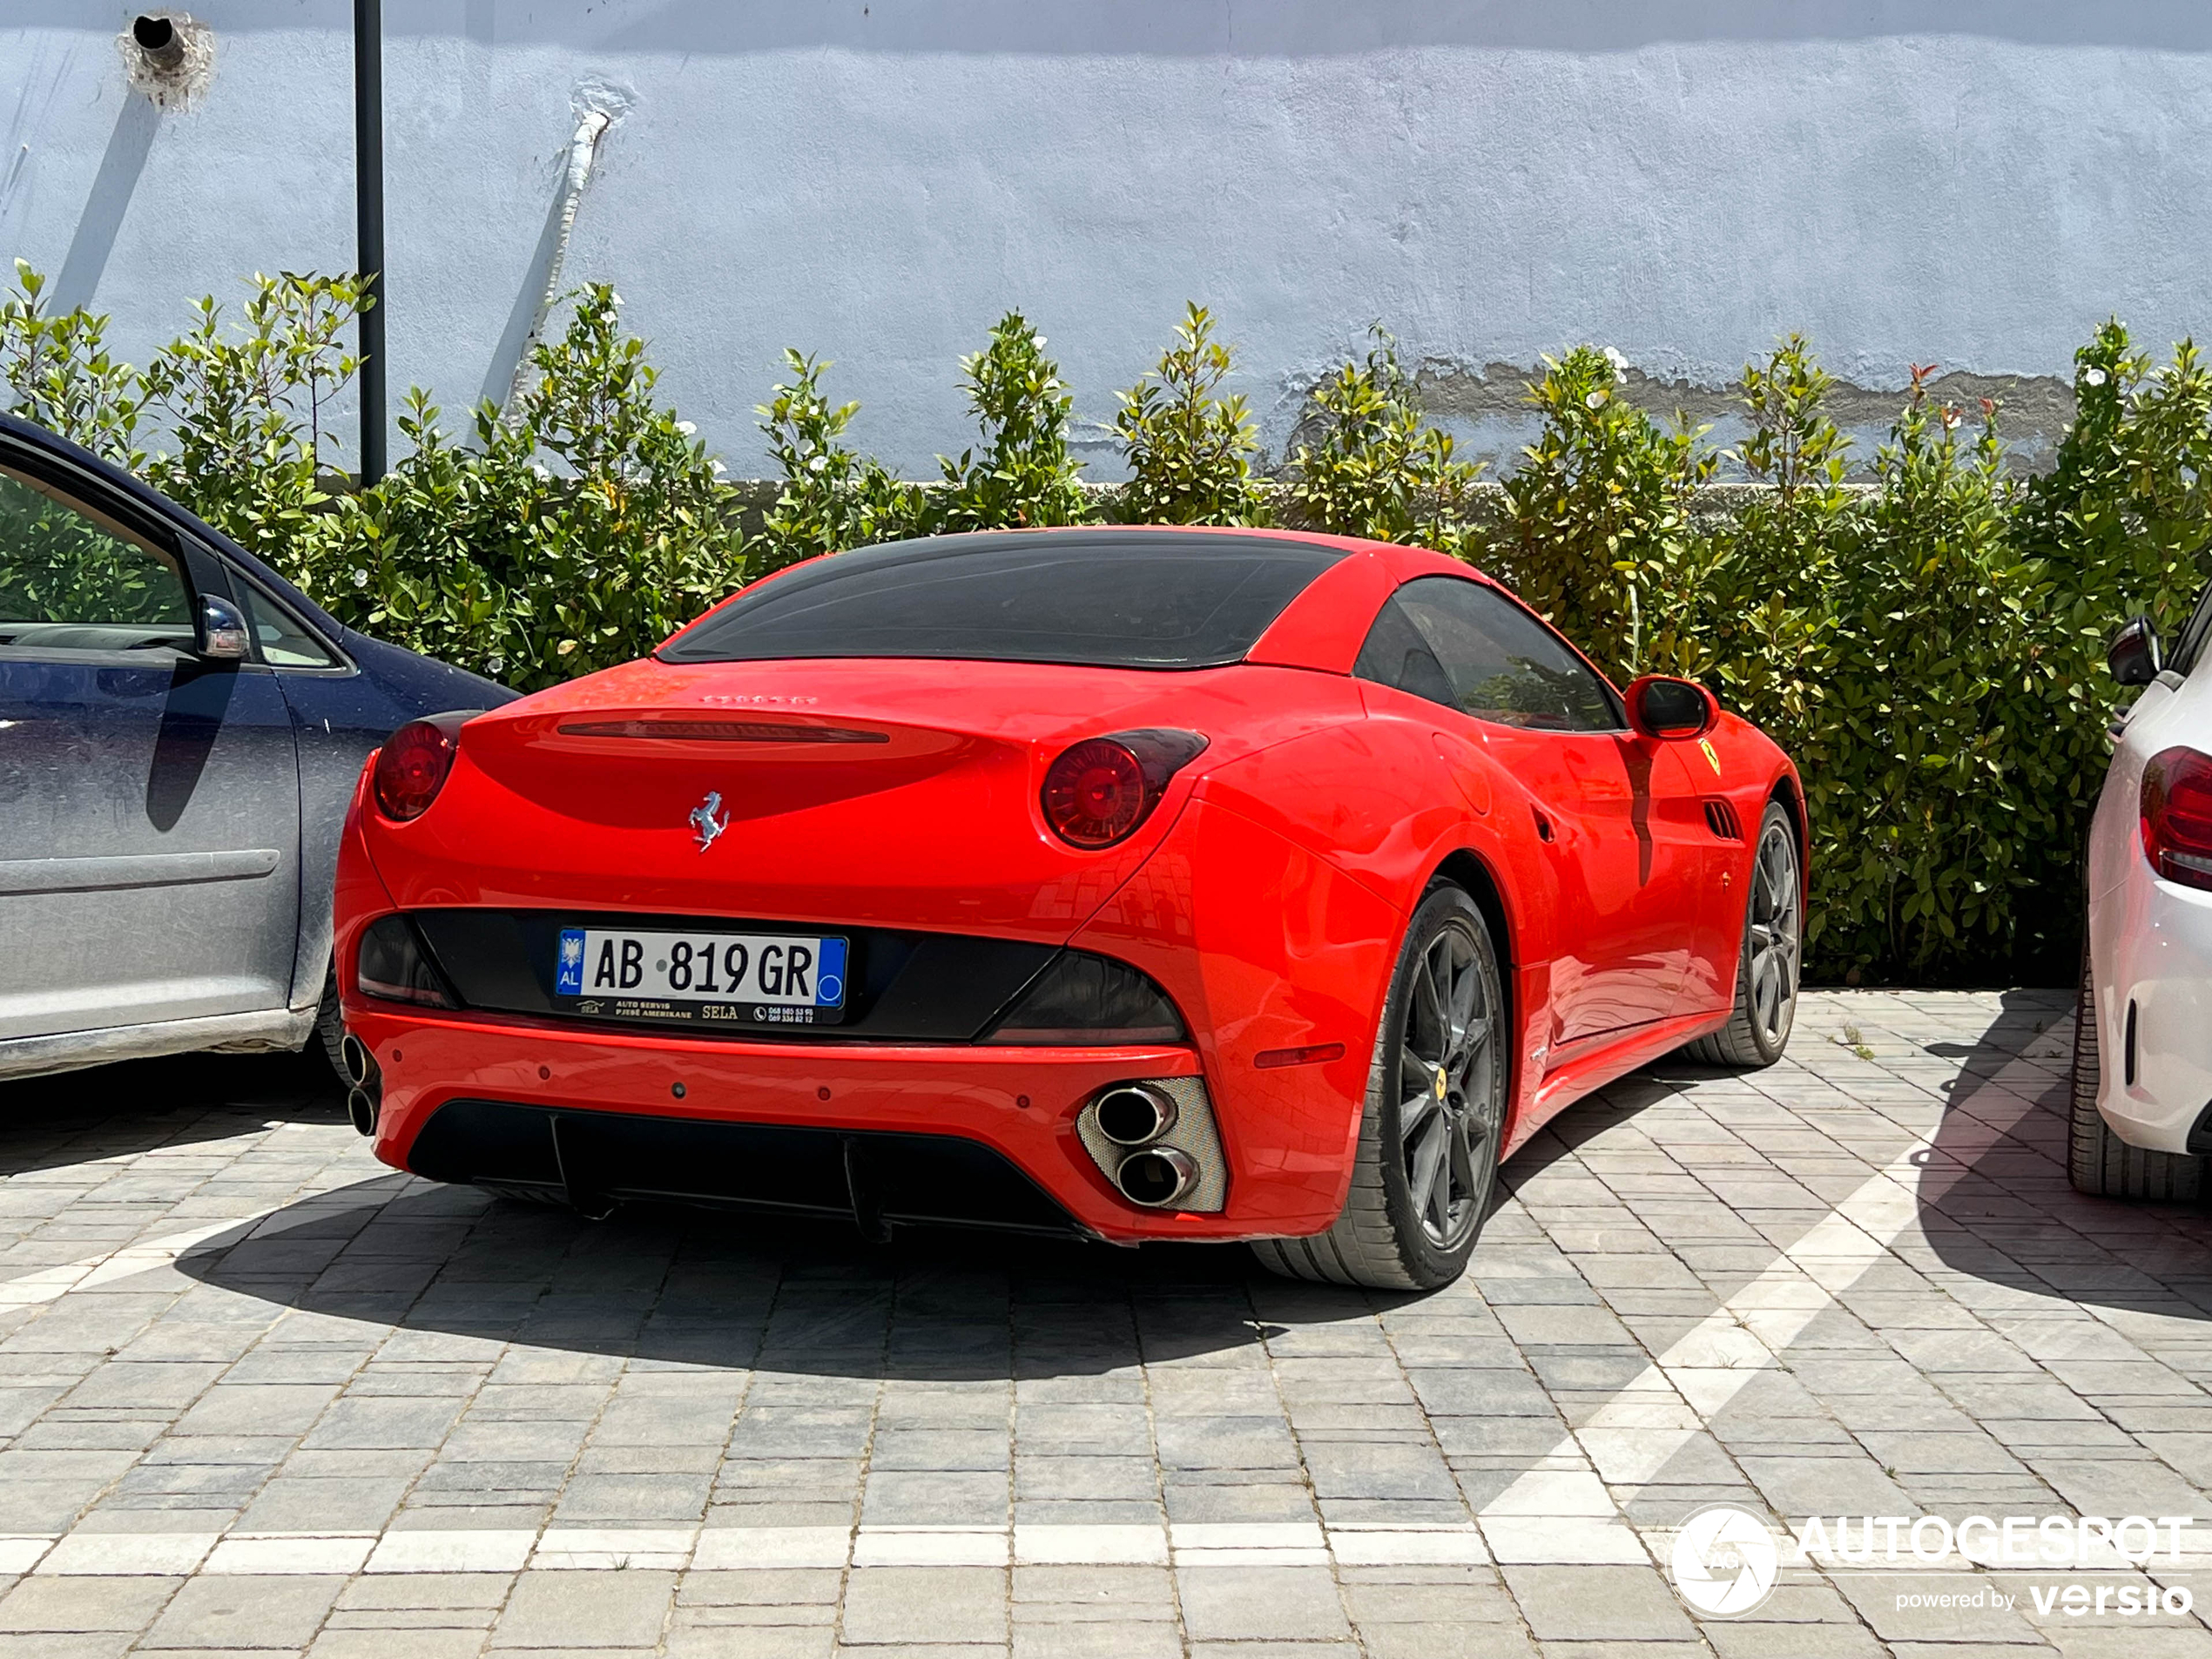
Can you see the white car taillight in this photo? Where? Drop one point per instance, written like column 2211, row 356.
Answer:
column 2177, row 816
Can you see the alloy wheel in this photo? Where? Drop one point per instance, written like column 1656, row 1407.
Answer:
column 1774, row 932
column 1449, row 1105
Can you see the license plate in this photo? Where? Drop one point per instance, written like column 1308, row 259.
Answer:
column 707, row 978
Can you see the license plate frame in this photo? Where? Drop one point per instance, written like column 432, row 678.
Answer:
column 653, row 975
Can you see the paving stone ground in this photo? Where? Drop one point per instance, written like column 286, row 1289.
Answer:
column 259, row 1395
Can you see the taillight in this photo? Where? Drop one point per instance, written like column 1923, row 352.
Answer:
column 2177, row 816
column 1098, row 792
column 414, row 764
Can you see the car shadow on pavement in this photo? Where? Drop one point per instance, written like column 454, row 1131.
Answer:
column 140, row 1105
column 671, row 1284
column 1995, row 1198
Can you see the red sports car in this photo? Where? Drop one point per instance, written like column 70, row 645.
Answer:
column 1135, row 884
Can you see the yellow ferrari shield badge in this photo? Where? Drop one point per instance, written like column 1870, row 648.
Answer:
column 1710, row 755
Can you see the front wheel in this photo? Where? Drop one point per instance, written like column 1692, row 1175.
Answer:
column 1766, row 971
column 1433, row 1121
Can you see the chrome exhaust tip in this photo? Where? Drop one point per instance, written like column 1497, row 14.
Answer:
column 1157, row 1177
column 360, row 1110
column 358, row 1066
column 1135, row 1114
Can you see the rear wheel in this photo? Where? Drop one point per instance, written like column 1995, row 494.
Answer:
column 2098, row 1162
column 1766, row 973
column 1434, row 1119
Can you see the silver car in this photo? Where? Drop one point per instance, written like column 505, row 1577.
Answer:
column 180, row 732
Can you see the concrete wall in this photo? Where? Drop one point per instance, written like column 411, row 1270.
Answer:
column 1975, row 184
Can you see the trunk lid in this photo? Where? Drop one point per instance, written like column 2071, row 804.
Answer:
column 891, row 792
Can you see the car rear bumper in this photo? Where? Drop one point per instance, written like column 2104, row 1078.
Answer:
column 475, row 1096
column 2151, row 963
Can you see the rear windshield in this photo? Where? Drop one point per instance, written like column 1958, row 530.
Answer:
column 1127, row 599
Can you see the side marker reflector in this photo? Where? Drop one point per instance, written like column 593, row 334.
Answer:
column 1269, row 1059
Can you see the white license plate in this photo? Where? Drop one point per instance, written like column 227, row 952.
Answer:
column 772, row 979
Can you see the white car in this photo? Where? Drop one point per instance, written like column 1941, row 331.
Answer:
column 2141, row 1115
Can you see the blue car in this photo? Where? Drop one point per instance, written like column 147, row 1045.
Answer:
column 180, row 732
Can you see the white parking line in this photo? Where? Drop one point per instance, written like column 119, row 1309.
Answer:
column 736, row 1548
column 49, row 1284
column 502, row 1550
column 45, row 1285
column 290, row 1553
column 1567, row 1514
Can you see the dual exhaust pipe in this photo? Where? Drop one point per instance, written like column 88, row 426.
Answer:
column 365, row 1094
column 1135, row 1116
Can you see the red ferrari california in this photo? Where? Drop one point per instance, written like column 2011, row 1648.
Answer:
column 1135, row 884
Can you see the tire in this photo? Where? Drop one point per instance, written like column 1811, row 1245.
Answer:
column 330, row 1029
column 1767, row 963
column 2098, row 1162
column 1417, row 1206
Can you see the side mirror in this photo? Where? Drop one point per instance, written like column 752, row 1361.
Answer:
column 222, row 632
column 1663, row 706
column 2134, row 658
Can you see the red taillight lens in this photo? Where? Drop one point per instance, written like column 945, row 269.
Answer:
column 413, row 766
column 1095, row 793
column 2177, row 816
column 1098, row 792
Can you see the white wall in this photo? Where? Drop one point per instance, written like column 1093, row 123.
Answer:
column 878, row 179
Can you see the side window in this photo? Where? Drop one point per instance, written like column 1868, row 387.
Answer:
column 286, row 641
column 72, row 579
column 1505, row 665
column 1396, row 655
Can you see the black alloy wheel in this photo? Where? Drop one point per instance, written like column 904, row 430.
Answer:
column 1766, row 975
column 1449, row 1112
column 1774, row 928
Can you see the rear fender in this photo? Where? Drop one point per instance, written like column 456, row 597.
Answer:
column 1274, row 915
column 1381, row 803
column 1268, row 948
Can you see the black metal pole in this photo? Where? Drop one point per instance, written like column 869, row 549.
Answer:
column 368, row 217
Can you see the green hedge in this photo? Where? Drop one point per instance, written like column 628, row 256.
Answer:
column 1926, row 640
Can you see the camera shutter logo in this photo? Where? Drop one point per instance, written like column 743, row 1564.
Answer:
column 1724, row 1561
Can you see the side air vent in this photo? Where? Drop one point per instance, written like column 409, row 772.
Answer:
column 1721, row 818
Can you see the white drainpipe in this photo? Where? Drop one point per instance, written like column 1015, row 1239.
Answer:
column 584, row 150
